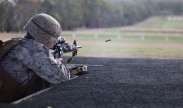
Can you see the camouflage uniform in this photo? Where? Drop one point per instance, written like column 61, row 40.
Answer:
column 32, row 56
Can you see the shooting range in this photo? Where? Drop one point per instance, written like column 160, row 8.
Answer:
column 133, row 51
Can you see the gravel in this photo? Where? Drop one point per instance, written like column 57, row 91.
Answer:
column 128, row 83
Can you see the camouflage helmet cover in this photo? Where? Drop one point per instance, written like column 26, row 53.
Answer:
column 44, row 29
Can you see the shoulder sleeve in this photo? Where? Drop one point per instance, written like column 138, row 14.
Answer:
column 39, row 59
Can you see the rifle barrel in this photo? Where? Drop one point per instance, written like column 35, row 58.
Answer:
column 87, row 65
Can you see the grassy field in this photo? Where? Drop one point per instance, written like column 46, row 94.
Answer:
column 157, row 37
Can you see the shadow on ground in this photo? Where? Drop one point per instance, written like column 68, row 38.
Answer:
column 119, row 83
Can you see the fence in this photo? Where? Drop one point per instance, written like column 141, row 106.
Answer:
column 126, row 37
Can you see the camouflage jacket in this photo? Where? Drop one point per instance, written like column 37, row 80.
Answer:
column 29, row 58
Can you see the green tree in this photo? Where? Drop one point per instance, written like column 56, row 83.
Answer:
column 85, row 13
column 71, row 12
column 23, row 11
column 6, row 18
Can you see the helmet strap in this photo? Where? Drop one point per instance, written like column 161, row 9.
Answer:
column 28, row 36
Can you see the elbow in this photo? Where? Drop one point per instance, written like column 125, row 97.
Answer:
column 61, row 80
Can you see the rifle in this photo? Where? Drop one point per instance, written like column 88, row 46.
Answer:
column 62, row 47
column 78, row 65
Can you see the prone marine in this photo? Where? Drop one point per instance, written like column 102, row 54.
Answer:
column 29, row 64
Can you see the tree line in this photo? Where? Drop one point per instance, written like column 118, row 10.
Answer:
column 85, row 13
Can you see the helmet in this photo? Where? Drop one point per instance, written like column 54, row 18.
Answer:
column 44, row 29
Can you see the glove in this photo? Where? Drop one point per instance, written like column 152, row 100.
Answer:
column 69, row 48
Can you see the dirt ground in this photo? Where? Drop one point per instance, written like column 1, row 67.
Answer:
column 5, row 36
column 121, row 44
column 119, row 83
